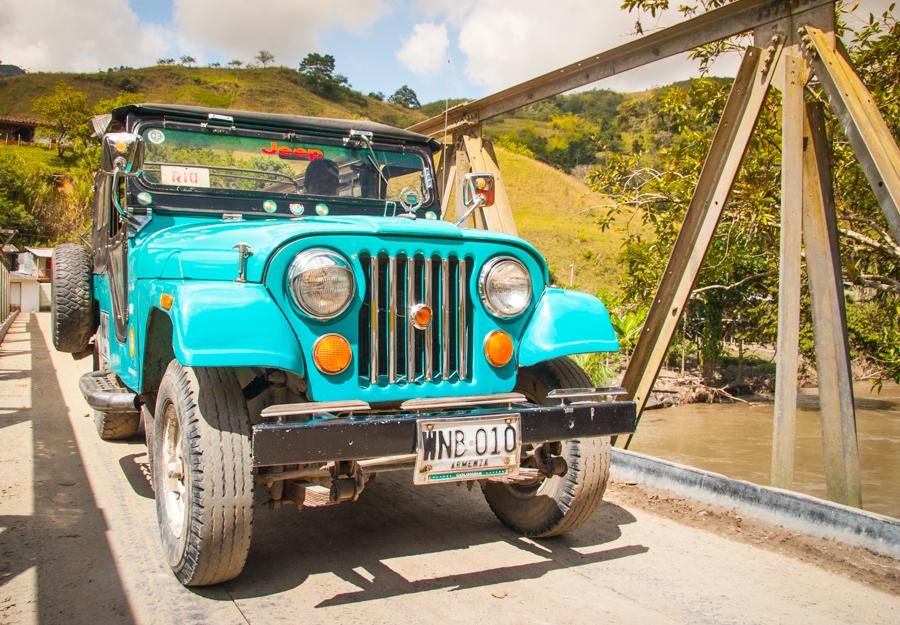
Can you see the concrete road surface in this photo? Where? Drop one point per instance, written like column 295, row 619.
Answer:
column 79, row 544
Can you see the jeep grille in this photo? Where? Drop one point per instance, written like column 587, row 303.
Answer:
column 391, row 349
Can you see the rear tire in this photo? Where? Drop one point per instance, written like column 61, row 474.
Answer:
column 203, row 473
column 114, row 426
column 72, row 299
column 559, row 504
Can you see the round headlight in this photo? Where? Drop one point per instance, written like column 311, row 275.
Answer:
column 321, row 282
column 505, row 287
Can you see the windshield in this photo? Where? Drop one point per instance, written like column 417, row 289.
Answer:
column 293, row 165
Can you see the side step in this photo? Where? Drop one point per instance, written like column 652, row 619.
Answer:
column 102, row 392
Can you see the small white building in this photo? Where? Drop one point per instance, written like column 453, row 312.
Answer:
column 29, row 282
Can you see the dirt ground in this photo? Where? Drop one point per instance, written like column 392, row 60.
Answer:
column 79, row 544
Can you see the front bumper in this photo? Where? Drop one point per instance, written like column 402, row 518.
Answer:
column 373, row 436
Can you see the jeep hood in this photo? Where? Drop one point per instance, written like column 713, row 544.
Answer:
column 204, row 250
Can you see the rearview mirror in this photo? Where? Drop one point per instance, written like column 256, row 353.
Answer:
column 122, row 154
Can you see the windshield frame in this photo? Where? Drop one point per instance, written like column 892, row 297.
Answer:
column 248, row 202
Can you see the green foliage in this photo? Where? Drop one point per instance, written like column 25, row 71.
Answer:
column 62, row 112
column 512, row 144
column 319, row 71
column 736, row 289
column 405, row 96
column 264, row 57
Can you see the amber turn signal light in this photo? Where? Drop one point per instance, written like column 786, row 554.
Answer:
column 421, row 316
column 166, row 301
column 332, row 354
column 498, row 348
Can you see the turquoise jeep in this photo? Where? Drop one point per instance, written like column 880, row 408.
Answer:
column 279, row 303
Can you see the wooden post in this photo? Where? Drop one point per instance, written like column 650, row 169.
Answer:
column 788, row 342
column 823, row 265
column 701, row 218
column 866, row 129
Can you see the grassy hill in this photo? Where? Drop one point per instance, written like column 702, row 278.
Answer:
column 557, row 213
column 272, row 89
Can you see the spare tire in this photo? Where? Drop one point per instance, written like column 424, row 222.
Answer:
column 72, row 299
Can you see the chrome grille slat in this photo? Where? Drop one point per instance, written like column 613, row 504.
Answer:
column 461, row 339
column 410, row 329
column 426, row 299
column 373, row 320
column 392, row 319
column 445, row 318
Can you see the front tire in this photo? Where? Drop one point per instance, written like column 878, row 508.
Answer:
column 559, row 504
column 202, row 473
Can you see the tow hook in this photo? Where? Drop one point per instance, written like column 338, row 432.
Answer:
column 347, row 481
column 548, row 460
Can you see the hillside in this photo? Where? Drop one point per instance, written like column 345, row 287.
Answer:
column 271, row 89
column 557, row 213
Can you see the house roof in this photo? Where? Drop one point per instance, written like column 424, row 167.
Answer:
column 41, row 252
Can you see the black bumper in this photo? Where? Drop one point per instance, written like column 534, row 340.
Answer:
column 102, row 393
column 376, row 436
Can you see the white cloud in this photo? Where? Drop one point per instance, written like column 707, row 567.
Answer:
column 426, row 49
column 288, row 28
column 85, row 35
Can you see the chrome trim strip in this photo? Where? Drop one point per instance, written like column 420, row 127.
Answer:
column 427, row 300
column 392, row 319
column 288, row 410
column 445, row 318
column 433, row 403
column 410, row 328
column 373, row 322
column 461, row 339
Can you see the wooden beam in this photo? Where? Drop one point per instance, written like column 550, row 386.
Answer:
column 701, row 218
column 787, row 349
column 866, row 129
column 820, row 237
column 731, row 19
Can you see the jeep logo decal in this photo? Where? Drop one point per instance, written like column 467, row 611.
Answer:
column 285, row 151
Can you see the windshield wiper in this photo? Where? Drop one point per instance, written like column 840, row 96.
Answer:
column 363, row 137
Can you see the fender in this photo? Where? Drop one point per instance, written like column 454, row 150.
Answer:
column 566, row 323
column 228, row 324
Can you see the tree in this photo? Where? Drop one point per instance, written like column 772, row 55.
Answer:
column 264, row 57
column 215, row 64
column 319, row 71
column 738, row 280
column 62, row 112
column 187, row 59
column 378, row 95
column 405, row 96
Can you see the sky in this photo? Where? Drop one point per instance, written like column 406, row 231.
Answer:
column 440, row 48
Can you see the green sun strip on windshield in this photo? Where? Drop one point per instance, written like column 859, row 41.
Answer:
column 293, row 166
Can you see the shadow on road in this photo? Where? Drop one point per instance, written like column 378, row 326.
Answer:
column 394, row 520
column 65, row 539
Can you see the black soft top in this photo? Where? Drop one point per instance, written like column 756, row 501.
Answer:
column 293, row 122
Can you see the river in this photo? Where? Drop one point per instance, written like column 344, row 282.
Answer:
column 736, row 440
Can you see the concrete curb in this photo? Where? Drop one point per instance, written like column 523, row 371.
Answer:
column 4, row 327
column 794, row 511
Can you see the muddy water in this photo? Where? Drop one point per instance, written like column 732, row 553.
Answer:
column 736, row 440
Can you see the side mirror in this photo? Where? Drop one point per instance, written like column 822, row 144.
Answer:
column 478, row 190
column 122, row 154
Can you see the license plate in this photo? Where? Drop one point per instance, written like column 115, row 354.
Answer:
column 452, row 450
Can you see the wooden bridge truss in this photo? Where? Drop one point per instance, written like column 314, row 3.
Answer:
column 792, row 41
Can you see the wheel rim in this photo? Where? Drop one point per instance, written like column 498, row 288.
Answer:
column 175, row 483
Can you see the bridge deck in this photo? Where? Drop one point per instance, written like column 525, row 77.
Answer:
column 79, row 544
